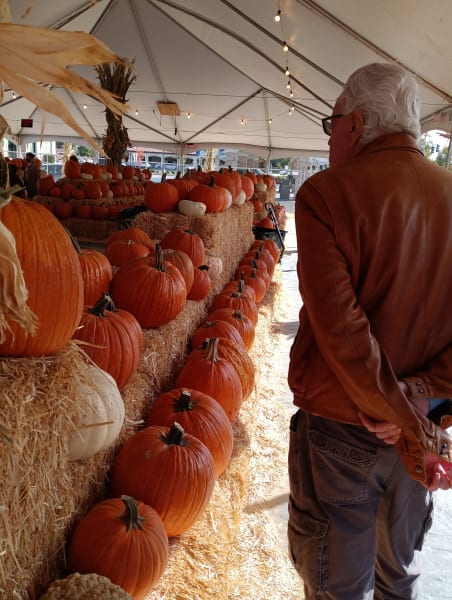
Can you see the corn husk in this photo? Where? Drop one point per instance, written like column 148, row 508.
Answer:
column 35, row 57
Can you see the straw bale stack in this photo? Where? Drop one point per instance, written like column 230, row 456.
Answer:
column 43, row 495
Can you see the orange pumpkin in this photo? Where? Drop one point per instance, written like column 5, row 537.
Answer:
column 52, row 275
column 121, row 251
column 173, row 472
column 199, row 415
column 208, row 372
column 131, row 233
column 241, row 322
column 161, row 197
column 124, row 540
column 114, row 339
column 72, row 169
column 202, row 284
column 215, row 197
column 237, row 301
column 216, row 328
column 183, row 262
column 96, row 273
column 152, row 289
column 187, row 241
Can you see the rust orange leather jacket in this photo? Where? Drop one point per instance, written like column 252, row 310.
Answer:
column 375, row 271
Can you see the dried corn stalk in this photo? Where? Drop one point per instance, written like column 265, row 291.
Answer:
column 117, row 79
column 34, row 59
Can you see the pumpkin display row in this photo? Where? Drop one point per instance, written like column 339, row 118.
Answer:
column 95, row 192
column 186, row 443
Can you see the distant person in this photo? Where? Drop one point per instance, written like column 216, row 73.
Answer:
column 32, row 175
column 16, row 179
column 372, row 360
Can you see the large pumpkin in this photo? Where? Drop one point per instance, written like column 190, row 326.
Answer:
column 161, row 197
column 199, row 415
column 240, row 321
column 113, row 337
column 169, row 470
column 100, row 414
column 52, row 275
column 152, row 289
column 124, row 540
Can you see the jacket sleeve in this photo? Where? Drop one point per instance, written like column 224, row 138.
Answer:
column 436, row 380
column 341, row 327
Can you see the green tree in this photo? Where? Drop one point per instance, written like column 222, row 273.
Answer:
column 442, row 157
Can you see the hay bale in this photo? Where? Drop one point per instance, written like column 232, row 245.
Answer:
column 43, row 495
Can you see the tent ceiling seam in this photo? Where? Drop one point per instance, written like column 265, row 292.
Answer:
column 310, row 4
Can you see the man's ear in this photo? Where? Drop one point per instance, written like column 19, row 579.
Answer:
column 357, row 123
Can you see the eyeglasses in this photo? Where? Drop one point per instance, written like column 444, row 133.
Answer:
column 327, row 124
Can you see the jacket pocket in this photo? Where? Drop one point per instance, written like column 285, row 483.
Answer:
column 340, row 469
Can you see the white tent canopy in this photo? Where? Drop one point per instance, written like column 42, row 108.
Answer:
column 222, row 62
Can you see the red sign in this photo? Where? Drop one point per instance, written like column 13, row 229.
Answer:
column 26, row 122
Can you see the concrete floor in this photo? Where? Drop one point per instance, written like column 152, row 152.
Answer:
column 437, row 552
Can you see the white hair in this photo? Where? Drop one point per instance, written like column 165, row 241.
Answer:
column 387, row 97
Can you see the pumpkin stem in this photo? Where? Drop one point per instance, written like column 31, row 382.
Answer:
column 203, row 267
column 159, row 258
column 163, row 179
column 184, row 402
column 175, row 436
column 211, row 344
column 241, row 285
column 212, row 182
column 130, row 516
column 104, row 303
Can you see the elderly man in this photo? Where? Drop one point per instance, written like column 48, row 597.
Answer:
column 373, row 353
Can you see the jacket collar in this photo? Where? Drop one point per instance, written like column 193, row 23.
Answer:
column 391, row 141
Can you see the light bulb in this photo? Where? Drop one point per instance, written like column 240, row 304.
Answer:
column 242, row 121
column 136, row 113
column 188, row 115
column 291, row 94
column 85, row 107
column 287, row 71
column 278, row 16
column 269, row 121
column 288, row 85
column 285, row 47
column 14, row 94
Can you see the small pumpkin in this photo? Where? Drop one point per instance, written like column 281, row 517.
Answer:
column 100, row 415
column 199, row 415
column 202, row 284
column 207, row 372
column 121, row 251
column 217, row 328
column 122, row 539
column 161, row 197
column 173, row 472
column 189, row 208
column 241, row 322
column 186, row 240
column 131, row 233
column 237, row 301
column 114, row 339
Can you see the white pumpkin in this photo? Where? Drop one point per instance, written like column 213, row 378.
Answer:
column 229, row 204
column 260, row 187
column 240, row 198
column 215, row 265
column 100, row 416
column 87, row 176
column 190, row 208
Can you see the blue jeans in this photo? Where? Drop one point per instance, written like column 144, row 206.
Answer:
column 356, row 519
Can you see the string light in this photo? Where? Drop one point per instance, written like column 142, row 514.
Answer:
column 285, row 47
column 14, row 95
column 136, row 113
column 288, row 85
column 287, row 72
column 269, row 121
column 292, row 108
column 291, row 94
column 278, row 16
column 242, row 121
column 188, row 115
column 85, row 107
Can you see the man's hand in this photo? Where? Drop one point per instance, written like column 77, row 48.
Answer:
column 388, row 432
column 439, row 473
